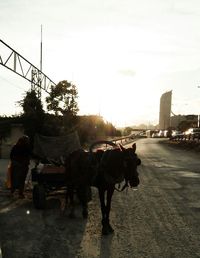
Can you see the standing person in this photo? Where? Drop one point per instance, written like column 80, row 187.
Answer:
column 20, row 158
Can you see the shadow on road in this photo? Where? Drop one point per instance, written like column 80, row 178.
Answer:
column 27, row 232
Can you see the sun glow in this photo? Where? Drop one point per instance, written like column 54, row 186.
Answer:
column 122, row 104
column 117, row 82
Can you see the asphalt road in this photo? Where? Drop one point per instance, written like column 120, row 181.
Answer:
column 159, row 219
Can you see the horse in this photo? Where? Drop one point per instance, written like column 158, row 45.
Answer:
column 79, row 171
column 102, row 169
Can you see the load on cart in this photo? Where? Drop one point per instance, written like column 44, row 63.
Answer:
column 48, row 175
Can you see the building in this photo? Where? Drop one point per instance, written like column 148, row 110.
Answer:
column 167, row 121
column 165, row 110
column 191, row 120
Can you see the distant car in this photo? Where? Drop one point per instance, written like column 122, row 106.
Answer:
column 155, row 135
column 161, row 134
column 175, row 132
column 193, row 133
column 177, row 135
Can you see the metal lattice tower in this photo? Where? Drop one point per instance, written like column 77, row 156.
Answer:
column 21, row 66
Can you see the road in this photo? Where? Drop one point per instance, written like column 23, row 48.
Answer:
column 159, row 219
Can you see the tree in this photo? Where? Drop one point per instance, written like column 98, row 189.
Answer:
column 111, row 130
column 63, row 99
column 33, row 114
column 31, row 104
column 127, row 130
column 91, row 128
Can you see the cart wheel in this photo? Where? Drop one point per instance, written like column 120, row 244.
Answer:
column 39, row 197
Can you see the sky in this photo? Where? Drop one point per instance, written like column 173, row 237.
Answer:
column 121, row 54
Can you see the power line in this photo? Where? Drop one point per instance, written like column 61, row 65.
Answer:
column 11, row 83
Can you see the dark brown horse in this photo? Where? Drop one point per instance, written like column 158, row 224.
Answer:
column 102, row 169
column 80, row 171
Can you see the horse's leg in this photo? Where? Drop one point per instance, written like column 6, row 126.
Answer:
column 110, row 191
column 105, row 230
column 82, row 192
column 70, row 197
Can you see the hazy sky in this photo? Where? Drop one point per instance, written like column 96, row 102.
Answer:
column 121, row 54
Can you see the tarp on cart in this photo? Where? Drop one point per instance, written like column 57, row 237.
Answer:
column 55, row 149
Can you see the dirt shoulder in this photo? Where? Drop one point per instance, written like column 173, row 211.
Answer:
column 185, row 145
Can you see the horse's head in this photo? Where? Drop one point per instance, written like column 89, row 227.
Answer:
column 130, row 163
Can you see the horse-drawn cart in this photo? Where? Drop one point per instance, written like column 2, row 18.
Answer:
column 48, row 175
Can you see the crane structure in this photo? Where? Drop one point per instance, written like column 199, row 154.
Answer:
column 15, row 62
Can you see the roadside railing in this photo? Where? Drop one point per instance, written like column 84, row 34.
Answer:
column 125, row 139
column 117, row 140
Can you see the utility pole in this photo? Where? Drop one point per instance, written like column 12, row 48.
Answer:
column 41, row 51
column 38, row 90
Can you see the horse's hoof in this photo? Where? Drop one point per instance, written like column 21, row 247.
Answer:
column 85, row 214
column 105, row 231
column 110, row 229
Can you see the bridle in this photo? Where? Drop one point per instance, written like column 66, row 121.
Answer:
column 127, row 177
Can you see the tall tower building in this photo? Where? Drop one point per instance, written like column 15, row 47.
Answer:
column 165, row 110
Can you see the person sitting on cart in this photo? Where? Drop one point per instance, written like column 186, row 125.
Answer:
column 20, row 158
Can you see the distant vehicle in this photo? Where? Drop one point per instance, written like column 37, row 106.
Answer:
column 175, row 132
column 178, row 135
column 142, row 134
column 161, row 134
column 193, row 133
column 151, row 133
column 155, row 135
